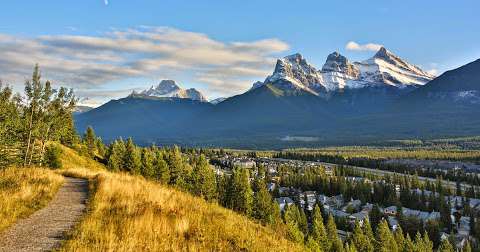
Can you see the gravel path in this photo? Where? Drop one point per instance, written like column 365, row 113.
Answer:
column 45, row 229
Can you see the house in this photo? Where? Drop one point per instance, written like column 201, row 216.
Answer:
column 360, row 217
column 391, row 210
column 311, row 199
column 393, row 222
column 337, row 213
column 463, row 226
column 283, row 202
column 271, row 187
column 336, row 201
column 424, row 216
column 244, row 163
column 367, row 207
column 353, row 204
column 322, row 199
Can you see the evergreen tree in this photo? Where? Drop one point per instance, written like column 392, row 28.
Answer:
column 204, row 180
column 242, row 194
column 335, row 242
column 263, row 209
column 367, row 231
column 177, row 166
column 399, row 238
column 116, row 155
column 318, row 232
column 408, row 245
column 313, row 245
column 360, row 240
column 132, row 158
column 293, row 229
column 90, row 141
column 467, row 247
column 385, row 239
column 148, row 162
column 445, row 246
column 162, row 171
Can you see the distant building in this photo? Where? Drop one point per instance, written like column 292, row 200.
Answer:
column 283, row 202
column 244, row 163
column 391, row 210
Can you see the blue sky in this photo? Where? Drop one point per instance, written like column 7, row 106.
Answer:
column 219, row 47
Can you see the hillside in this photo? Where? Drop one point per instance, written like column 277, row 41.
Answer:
column 129, row 213
column 23, row 191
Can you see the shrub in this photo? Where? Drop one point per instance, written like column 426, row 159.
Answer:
column 52, row 156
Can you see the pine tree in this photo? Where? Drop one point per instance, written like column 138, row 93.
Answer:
column 132, row 158
column 204, row 180
column 367, row 231
column 335, row 242
column 445, row 246
column 116, row 155
column 242, row 194
column 313, row 245
column 162, row 171
column 385, row 239
column 90, row 141
column 177, row 166
column 263, row 209
column 350, row 248
column 293, row 230
column 148, row 162
column 467, row 247
column 408, row 245
column 302, row 221
column 360, row 240
column 399, row 238
column 318, row 232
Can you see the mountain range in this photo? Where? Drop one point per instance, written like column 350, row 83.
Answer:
column 381, row 98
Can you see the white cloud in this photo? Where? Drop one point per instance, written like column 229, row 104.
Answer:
column 354, row 46
column 433, row 71
column 95, row 62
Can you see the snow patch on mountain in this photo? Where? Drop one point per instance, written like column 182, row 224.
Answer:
column 169, row 88
column 217, row 100
column 384, row 68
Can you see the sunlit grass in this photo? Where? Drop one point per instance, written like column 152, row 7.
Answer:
column 129, row 213
column 25, row 190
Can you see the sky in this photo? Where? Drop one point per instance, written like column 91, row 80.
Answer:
column 104, row 49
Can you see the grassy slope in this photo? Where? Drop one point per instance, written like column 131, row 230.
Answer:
column 128, row 213
column 25, row 190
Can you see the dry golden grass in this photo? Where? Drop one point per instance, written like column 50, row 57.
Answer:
column 129, row 213
column 71, row 160
column 25, row 190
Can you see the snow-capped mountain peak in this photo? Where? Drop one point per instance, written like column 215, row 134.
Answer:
column 387, row 68
column 384, row 68
column 294, row 72
column 339, row 63
column 169, row 88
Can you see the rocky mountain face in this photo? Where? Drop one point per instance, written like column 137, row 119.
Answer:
column 169, row 88
column 338, row 73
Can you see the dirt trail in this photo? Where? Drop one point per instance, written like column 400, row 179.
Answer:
column 45, row 229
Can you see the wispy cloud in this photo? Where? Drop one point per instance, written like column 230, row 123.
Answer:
column 354, row 46
column 91, row 62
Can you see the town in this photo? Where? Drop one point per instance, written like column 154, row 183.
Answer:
column 289, row 181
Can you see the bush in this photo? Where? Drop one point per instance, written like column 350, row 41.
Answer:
column 52, row 157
